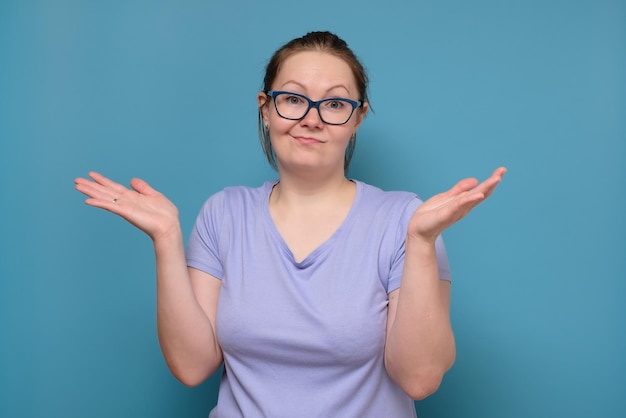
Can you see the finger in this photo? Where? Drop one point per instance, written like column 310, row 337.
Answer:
column 82, row 185
column 481, row 192
column 500, row 171
column 497, row 174
column 488, row 186
column 465, row 203
column 463, row 186
column 108, row 204
column 142, row 187
column 81, row 182
column 97, row 197
column 100, row 188
column 91, row 189
column 107, row 183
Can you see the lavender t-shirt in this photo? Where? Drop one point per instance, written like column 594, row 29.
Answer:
column 305, row 339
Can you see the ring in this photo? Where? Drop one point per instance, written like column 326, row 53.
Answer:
column 115, row 200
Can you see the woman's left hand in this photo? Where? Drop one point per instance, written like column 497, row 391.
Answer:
column 442, row 210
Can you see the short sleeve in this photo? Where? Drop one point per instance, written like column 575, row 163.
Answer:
column 203, row 252
column 397, row 265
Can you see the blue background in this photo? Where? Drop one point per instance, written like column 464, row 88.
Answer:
column 166, row 91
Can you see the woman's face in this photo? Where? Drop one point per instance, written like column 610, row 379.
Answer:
column 309, row 143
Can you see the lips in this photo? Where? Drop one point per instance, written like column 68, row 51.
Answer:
column 307, row 140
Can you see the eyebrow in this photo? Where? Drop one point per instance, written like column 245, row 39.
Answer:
column 327, row 90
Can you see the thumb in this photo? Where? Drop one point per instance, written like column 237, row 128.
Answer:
column 142, row 187
column 463, row 186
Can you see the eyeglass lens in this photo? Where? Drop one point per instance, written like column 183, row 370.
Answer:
column 332, row 111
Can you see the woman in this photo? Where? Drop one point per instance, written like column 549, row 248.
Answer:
column 323, row 296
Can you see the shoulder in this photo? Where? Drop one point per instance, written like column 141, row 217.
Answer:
column 374, row 198
column 237, row 196
column 247, row 191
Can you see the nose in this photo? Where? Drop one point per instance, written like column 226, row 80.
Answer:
column 312, row 118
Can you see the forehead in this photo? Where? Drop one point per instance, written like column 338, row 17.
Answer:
column 316, row 70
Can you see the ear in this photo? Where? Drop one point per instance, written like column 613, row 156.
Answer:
column 263, row 103
column 361, row 115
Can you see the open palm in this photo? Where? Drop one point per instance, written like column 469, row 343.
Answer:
column 141, row 205
column 442, row 210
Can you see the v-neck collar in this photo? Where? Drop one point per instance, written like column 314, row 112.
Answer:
column 325, row 246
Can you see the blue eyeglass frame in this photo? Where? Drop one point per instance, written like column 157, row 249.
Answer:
column 316, row 105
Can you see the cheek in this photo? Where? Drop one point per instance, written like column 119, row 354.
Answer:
column 340, row 138
column 279, row 125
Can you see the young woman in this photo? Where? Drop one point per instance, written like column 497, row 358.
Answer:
column 323, row 296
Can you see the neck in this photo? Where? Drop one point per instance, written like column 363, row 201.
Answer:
column 310, row 191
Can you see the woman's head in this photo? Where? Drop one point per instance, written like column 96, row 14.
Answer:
column 324, row 42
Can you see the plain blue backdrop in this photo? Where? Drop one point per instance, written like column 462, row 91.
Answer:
column 166, row 91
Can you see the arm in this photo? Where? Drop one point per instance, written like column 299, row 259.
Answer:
column 186, row 312
column 420, row 344
column 186, row 298
column 420, row 347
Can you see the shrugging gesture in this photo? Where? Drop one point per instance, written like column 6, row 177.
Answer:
column 321, row 298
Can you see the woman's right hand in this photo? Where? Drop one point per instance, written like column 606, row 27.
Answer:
column 142, row 206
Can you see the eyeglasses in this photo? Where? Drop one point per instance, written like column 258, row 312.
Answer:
column 332, row 111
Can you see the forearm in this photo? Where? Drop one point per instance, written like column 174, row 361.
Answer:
column 186, row 334
column 420, row 343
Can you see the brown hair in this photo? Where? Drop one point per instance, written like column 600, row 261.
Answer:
column 312, row 41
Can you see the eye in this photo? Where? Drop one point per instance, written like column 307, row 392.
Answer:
column 334, row 104
column 293, row 100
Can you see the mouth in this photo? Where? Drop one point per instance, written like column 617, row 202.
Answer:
column 307, row 140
